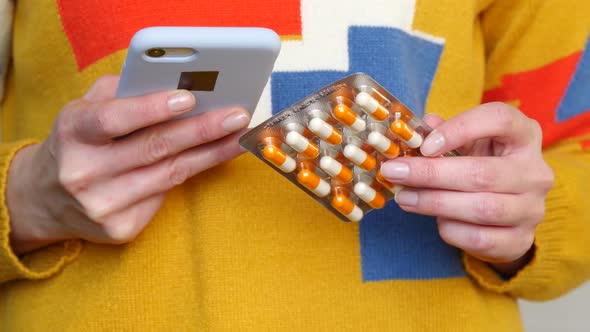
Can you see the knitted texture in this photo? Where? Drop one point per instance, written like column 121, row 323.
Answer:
column 40, row 264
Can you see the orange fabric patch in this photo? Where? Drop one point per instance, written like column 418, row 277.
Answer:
column 539, row 93
column 97, row 28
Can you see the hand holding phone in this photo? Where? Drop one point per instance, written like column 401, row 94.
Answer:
column 102, row 189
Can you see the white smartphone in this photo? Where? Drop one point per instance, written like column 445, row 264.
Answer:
column 222, row 67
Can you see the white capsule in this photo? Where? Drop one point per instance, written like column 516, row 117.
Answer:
column 302, row 144
column 330, row 165
column 415, row 141
column 314, row 183
column 369, row 195
column 358, row 125
column 323, row 189
column 325, row 131
column 383, row 144
column 356, row 215
column 359, row 157
column 279, row 158
column 371, row 106
column 335, row 169
column 294, row 126
column 364, row 191
column 349, row 118
column 347, row 207
column 412, row 138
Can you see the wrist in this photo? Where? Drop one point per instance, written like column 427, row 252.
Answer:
column 31, row 226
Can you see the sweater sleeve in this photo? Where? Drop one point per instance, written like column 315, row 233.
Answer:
column 561, row 259
column 45, row 262
column 39, row 264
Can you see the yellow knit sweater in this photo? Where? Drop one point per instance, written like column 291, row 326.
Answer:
column 239, row 248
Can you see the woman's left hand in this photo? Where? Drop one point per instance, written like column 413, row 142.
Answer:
column 488, row 201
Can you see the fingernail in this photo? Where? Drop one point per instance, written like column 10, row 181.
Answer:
column 181, row 101
column 235, row 121
column 407, row 198
column 395, row 171
column 433, row 144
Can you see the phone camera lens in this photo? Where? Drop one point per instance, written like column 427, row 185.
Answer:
column 155, row 52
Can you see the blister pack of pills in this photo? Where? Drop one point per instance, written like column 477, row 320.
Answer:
column 332, row 143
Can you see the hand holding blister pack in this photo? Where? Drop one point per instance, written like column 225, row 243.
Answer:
column 332, row 144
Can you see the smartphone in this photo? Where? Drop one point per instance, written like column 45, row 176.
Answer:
column 222, row 67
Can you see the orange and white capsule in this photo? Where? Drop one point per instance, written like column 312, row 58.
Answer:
column 369, row 195
column 371, row 106
column 349, row 118
column 347, row 207
column 313, row 182
column 279, row 158
column 325, row 131
column 409, row 135
column 383, row 144
column 335, row 169
column 302, row 145
column 393, row 188
column 359, row 157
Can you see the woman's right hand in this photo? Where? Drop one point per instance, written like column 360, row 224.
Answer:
column 82, row 182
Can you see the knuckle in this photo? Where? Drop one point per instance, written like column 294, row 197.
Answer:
column 483, row 175
column 121, row 232
column 65, row 124
column 104, row 121
column 479, row 240
column 144, row 106
column 433, row 202
column 458, row 131
column 489, row 210
column 546, row 178
column 503, row 116
column 536, row 129
column 157, row 147
column 94, row 208
column 75, row 181
column 103, row 118
column 427, row 172
column 63, row 128
column 503, row 113
column 177, row 173
column 203, row 131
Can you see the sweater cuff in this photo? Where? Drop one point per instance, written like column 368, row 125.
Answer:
column 542, row 272
column 41, row 263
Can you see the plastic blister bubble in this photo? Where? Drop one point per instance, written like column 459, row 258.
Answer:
column 332, row 143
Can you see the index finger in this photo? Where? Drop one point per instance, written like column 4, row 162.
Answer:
column 469, row 174
column 106, row 120
column 504, row 123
